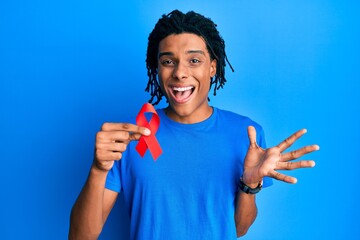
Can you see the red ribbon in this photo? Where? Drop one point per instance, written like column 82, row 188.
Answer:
column 148, row 142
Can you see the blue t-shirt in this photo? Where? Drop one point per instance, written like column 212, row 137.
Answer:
column 189, row 191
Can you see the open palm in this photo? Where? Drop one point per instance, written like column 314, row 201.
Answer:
column 261, row 162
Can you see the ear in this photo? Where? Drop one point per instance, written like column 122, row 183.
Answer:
column 213, row 68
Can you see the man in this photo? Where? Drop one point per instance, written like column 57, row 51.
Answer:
column 203, row 185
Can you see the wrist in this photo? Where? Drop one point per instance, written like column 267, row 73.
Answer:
column 251, row 180
column 101, row 165
column 251, row 188
column 252, row 185
column 98, row 171
column 97, row 177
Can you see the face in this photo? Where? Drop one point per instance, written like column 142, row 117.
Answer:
column 184, row 71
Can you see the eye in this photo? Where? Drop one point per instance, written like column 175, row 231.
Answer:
column 194, row 60
column 167, row 62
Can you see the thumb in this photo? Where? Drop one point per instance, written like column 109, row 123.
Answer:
column 252, row 136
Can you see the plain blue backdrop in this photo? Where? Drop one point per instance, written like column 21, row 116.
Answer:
column 68, row 66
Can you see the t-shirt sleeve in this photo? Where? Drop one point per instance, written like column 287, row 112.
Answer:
column 113, row 180
column 267, row 181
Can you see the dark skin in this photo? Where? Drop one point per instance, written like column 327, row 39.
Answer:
column 261, row 162
column 95, row 202
column 184, row 63
column 265, row 162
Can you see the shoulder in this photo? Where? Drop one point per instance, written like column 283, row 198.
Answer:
column 229, row 117
column 231, row 122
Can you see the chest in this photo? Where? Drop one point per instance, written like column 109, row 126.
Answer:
column 190, row 160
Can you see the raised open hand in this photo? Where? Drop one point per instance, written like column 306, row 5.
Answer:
column 261, row 162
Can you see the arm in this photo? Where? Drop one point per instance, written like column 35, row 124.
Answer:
column 94, row 203
column 245, row 212
column 92, row 207
column 264, row 162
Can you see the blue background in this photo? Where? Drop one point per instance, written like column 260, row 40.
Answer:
column 68, row 66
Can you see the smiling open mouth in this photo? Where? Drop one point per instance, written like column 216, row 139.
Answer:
column 182, row 94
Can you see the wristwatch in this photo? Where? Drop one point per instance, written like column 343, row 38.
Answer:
column 246, row 189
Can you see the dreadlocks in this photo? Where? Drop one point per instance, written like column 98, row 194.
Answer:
column 177, row 22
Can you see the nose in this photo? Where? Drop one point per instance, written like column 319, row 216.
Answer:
column 180, row 71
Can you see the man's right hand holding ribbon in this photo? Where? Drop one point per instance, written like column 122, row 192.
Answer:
column 112, row 141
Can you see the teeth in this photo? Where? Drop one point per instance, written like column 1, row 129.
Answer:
column 182, row 89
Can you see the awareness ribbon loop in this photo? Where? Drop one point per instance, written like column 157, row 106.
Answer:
column 148, row 142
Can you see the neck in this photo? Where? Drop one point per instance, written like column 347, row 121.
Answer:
column 191, row 118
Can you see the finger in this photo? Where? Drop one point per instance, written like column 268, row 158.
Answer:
column 295, row 165
column 134, row 136
column 102, row 155
column 282, row 177
column 299, row 152
column 128, row 127
column 112, row 146
column 290, row 140
column 114, row 136
column 252, row 136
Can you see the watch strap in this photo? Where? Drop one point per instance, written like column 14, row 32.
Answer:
column 246, row 189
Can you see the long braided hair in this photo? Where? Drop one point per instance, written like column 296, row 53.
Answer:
column 177, row 22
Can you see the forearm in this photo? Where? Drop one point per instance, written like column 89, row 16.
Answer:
column 87, row 218
column 245, row 213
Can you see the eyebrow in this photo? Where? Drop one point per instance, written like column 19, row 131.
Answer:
column 188, row 52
